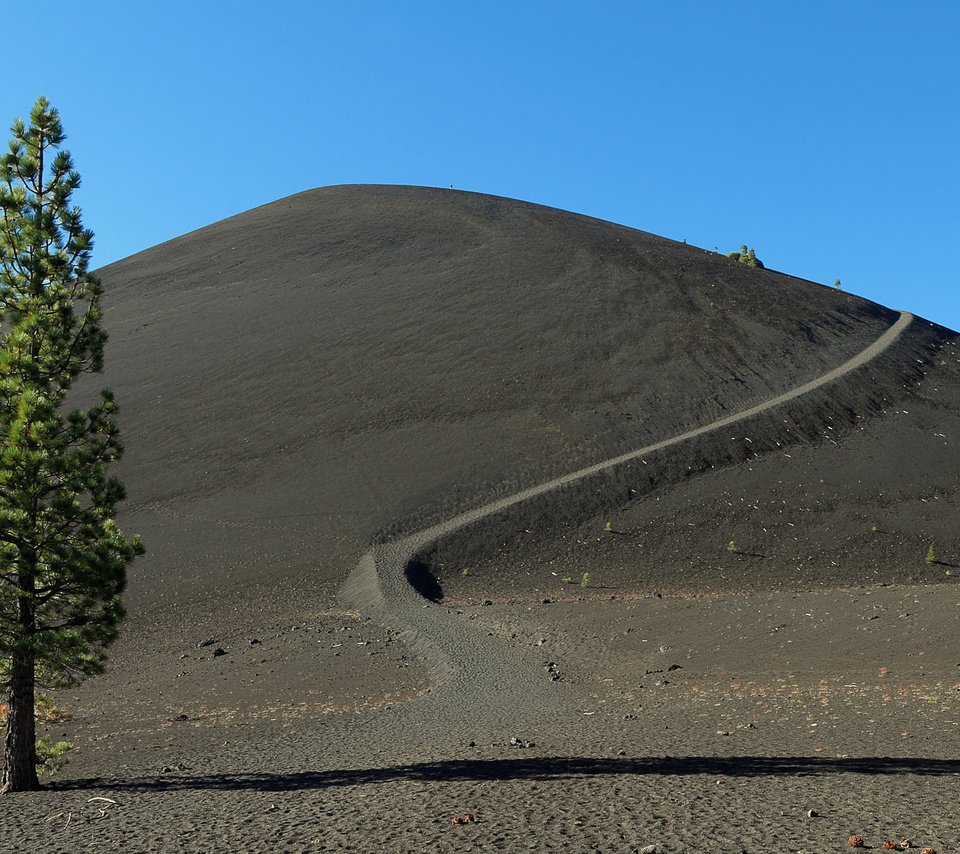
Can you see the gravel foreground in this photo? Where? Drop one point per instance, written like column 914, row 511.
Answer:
column 644, row 735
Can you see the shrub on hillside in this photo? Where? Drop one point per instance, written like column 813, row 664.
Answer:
column 746, row 256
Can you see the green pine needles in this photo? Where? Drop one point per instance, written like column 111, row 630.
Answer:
column 62, row 557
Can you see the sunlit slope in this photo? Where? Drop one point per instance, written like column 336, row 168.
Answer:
column 356, row 359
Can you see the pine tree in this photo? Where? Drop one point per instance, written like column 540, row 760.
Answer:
column 62, row 557
column 746, row 256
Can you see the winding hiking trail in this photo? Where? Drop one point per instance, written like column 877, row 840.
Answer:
column 475, row 676
column 393, row 779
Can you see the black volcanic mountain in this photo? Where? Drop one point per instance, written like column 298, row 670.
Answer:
column 354, row 361
column 752, row 465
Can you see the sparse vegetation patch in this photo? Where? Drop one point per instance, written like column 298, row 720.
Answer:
column 746, row 256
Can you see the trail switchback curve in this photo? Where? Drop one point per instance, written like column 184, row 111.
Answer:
column 477, row 673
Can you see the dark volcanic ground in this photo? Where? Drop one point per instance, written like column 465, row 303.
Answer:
column 353, row 360
column 354, row 363
column 857, row 504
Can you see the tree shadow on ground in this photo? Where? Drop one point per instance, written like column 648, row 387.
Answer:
column 540, row 769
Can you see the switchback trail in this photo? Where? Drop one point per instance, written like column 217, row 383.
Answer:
column 476, row 675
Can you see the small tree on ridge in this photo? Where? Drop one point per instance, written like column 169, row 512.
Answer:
column 746, row 256
column 62, row 557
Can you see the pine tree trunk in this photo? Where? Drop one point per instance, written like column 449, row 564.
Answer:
column 20, row 745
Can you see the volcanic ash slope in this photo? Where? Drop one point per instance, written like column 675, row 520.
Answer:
column 357, row 360
column 354, row 364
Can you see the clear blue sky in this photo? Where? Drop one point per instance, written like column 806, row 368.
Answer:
column 825, row 134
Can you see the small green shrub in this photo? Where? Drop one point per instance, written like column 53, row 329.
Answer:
column 567, row 579
column 51, row 756
column 465, row 570
column 931, row 556
column 585, row 579
column 746, row 256
column 608, row 528
column 732, row 546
